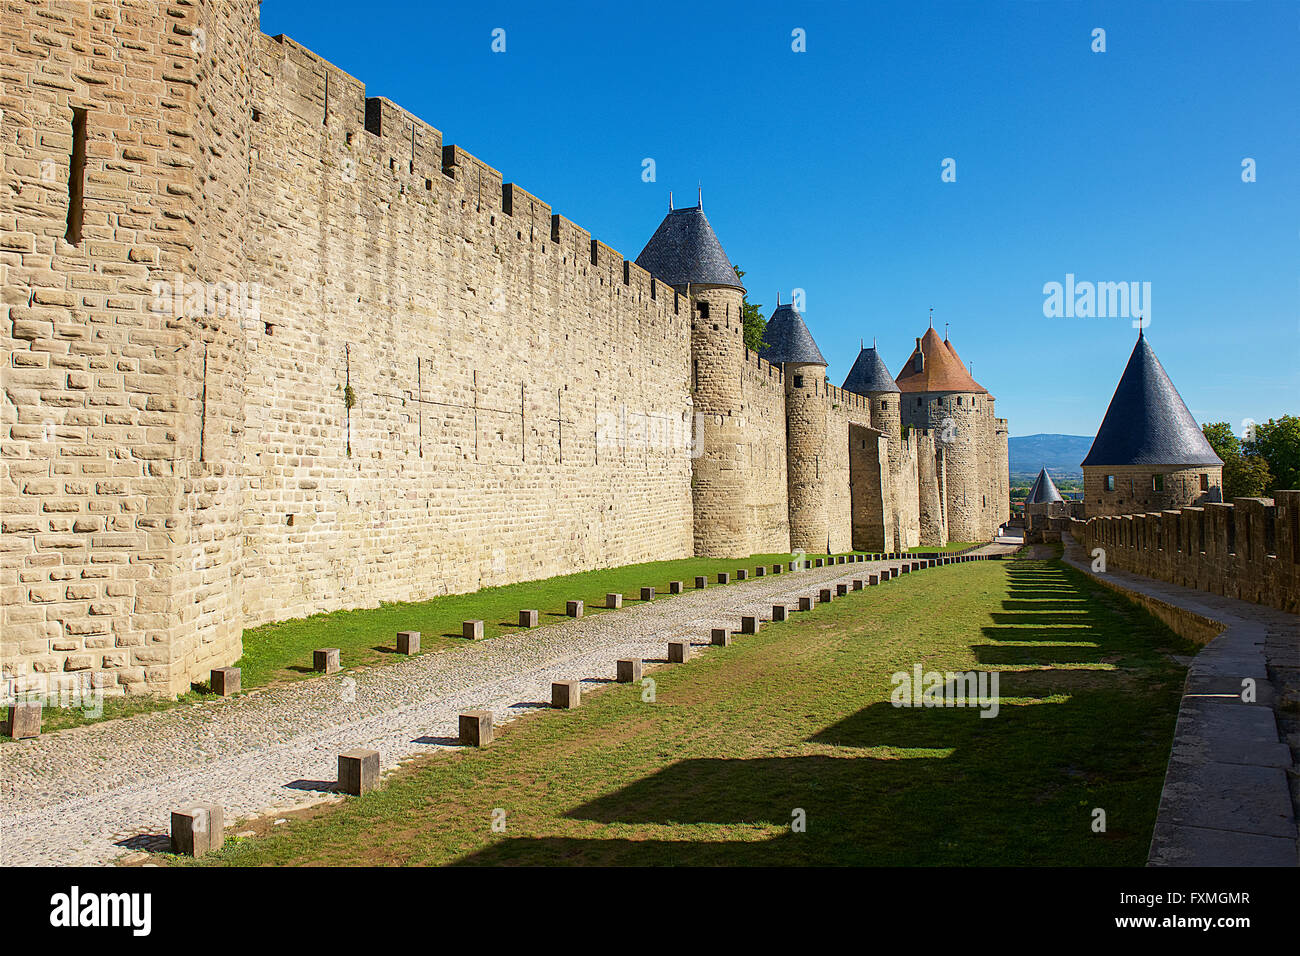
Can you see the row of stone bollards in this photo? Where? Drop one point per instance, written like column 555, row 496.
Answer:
column 199, row 828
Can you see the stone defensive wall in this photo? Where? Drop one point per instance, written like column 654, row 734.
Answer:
column 449, row 386
column 1249, row 549
column 763, row 454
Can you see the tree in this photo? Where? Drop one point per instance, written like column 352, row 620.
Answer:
column 1245, row 474
column 751, row 314
column 1278, row 443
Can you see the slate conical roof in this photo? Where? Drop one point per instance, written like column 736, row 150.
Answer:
column 869, row 374
column 684, row 249
column 941, row 370
column 788, row 339
column 1147, row 422
column 1044, row 490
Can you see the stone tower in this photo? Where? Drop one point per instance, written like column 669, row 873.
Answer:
column 790, row 345
column 685, row 252
column 127, row 351
column 1149, row 453
column 939, row 394
column 870, row 378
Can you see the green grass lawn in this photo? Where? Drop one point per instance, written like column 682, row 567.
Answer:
column 951, row 546
column 282, row 652
column 799, row 718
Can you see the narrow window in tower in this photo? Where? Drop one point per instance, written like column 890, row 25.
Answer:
column 704, row 310
column 1157, row 482
column 1205, row 482
column 798, row 381
column 1110, row 482
column 958, row 399
column 77, row 177
column 695, row 374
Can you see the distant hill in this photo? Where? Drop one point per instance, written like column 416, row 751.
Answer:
column 1059, row 454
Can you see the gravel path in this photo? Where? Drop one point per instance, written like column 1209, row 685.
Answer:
column 86, row 796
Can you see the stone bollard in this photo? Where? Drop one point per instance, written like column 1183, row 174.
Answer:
column 701, row 582
column 574, row 608
column 805, row 604
column 779, row 612
column 821, row 562
column 566, row 694
column 750, row 623
column 23, row 720
column 760, row 571
column 408, row 642
column 197, row 829
column 873, row 579
column 647, row 594
column 628, row 670
column 857, row 584
column 472, row 630
column 679, row 652
column 724, row 577
column 840, row 559
column 476, row 728
column 528, row 618
column 742, row 574
column 224, row 681
column 675, row 587
column 826, row 595
column 777, row 568
column 358, row 771
column 325, row 660
column 841, row 590
column 904, row 569
column 613, row 601
column 721, row 637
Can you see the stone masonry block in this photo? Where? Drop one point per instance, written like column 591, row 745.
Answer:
column 720, row 637
column 325, row 660
column 358, row 771
column 472, row 630
column 225, row 681
column 679, row 652
column 628, row 670
column 566, row 694
column 408, row 642
column 476, row 728
column 197, row 829
column 528, row 618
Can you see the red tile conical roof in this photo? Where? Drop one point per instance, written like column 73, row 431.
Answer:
column 940, row 370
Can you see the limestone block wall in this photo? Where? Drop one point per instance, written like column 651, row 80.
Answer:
column 1134, row 488
column 961, row 428
column 450, row 387
column 842, row 407
column 765, row 456
column 721, row 468
column 1248, row 549
column 932, row 488
column 872, row 490
column 123, row 148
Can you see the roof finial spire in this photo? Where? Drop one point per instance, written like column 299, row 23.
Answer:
column 1141, row 325
column 701, row 195
column 931, row 316
column 873, row 341
column 945, row 331
column 670, row 200
column 778, row 300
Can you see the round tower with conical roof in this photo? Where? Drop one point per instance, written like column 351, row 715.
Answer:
column 939, row 394
column 1149, row 453
column 685, row 253
column 788, row 343
column 870, row 378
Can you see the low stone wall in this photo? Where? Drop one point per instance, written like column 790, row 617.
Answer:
column 1249, row 549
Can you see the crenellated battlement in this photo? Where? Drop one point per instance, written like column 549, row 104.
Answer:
column 1248, row 548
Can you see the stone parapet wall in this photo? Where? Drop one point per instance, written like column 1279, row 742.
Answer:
column 1249, row 549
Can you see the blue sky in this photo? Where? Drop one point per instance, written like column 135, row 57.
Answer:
column 821, row 170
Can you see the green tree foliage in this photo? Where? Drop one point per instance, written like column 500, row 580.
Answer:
column 1245, row 474
column 1277, row 441
column 752, row 317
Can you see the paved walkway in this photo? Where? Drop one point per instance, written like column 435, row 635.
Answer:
column 1231, row 794
column 88, row 795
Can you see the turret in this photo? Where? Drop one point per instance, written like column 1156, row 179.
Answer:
column 1149, row 453
column 790, row 345
column 938, row 393
column 685, row 253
